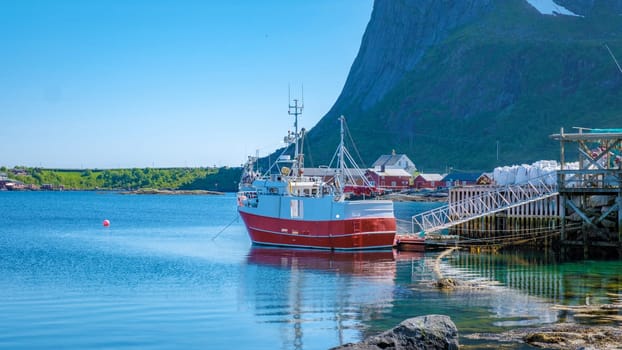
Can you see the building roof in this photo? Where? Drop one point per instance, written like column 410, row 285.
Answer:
column 462, row 177
column 388, row 159
column 431, row 177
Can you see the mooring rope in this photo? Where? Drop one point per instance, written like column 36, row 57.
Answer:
column 229, row 224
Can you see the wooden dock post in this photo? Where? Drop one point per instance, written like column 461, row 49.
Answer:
column 560, row 182
column 619, row 201
column 562, row 214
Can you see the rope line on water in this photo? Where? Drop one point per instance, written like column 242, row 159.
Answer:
column 224, row 228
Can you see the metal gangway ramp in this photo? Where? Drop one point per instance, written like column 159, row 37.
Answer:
column 494, row 200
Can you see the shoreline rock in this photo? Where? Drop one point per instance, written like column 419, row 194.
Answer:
column 422, row 332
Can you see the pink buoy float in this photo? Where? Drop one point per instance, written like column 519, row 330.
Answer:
column 106, row 223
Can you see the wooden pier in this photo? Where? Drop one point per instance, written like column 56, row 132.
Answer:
column 583, row 209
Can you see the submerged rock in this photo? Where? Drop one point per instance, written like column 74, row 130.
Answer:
column 447, row 283
column 423, row 332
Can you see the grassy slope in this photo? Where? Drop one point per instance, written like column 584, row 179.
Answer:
column 514, row 77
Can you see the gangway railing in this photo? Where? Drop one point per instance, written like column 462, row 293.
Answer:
column 496, row 199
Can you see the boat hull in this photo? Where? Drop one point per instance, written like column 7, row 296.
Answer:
column 348, row 234
column 410, row 243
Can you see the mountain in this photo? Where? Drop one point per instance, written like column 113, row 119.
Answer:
column 472, row 84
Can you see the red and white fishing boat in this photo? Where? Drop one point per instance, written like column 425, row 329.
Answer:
column 284, row 207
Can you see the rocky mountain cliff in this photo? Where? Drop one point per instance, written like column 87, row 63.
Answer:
column 472, row 84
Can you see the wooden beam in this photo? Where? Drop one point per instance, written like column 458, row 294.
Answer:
column 562, row 207
column 562, row 158
column 585, row 218
column 589, row 190
column 609, row 211
column 593, row 161
column 593, row 243
column 583, row 136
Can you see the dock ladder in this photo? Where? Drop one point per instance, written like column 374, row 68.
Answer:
column 497, row 199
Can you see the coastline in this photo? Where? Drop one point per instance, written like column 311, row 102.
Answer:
column 172, row 192
column 399, row 197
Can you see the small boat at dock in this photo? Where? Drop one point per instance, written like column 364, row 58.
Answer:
column 412, row 243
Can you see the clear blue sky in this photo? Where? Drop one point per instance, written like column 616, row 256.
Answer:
column 107, row 83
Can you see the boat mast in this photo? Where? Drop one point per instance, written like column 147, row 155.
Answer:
column 341, row 169
column 296, row 110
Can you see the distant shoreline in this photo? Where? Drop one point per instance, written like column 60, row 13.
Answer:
column 397, row 197
column 173, row 192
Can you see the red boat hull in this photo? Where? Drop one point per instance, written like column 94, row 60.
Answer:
column 349, row 234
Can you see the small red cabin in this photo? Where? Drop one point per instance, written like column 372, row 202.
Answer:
column 428, row 181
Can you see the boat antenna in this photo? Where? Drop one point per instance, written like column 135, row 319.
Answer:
column 295, row 110
column 341, row 160
column 614, row 58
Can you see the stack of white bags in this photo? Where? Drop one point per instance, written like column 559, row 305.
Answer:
column 520, row 174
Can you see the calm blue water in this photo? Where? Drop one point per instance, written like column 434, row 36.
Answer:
column 180, row 272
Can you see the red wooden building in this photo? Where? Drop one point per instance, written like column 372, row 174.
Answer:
column 428, row 181
column 393, row 179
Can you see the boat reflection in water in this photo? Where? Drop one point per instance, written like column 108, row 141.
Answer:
column 361, row 263
column 326, row 297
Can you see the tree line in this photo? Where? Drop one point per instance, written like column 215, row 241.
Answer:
column 223, row 179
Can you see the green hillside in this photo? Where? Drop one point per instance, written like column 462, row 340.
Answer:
column 509, row 78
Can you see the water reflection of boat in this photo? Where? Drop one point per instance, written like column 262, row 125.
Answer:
column 409, row 255
column 370, row 263
column 308, row 289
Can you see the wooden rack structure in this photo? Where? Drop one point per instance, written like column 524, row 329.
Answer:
column 583, row 208
column 591, row 194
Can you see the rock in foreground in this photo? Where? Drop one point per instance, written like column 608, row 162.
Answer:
column 423, row 332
